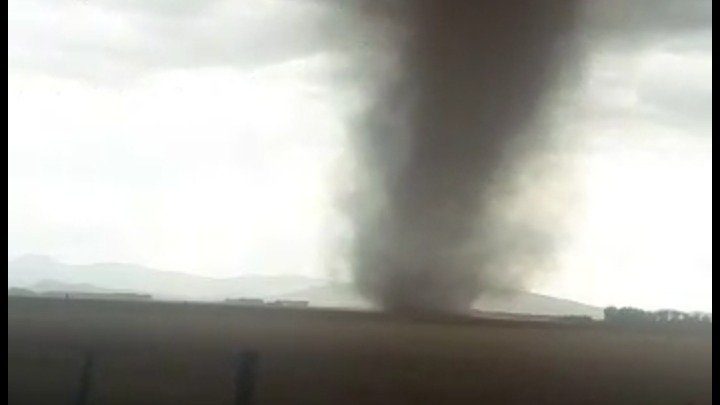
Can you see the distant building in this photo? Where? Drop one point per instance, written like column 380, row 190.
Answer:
column 515, row 316
column 245, row 301
column 20, row 292
column 290, row 303
column 98, row 296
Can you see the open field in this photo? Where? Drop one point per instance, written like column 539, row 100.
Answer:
column 175, row 353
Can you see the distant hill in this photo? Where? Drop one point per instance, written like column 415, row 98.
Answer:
column 521, row 302
column 518, row 302
column 55, row 285
column 44, row 273
column 21, row 292
column 79, row 291
column 337, row 295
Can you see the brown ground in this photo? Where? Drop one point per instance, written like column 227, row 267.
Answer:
column 162, row 353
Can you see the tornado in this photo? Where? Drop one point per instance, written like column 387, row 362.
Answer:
column 453, row 108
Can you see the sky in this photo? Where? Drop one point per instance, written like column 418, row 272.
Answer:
column 209, row 137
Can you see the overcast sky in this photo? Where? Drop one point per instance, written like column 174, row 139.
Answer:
column 204, row 136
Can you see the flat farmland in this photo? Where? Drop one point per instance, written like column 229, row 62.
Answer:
column 187, row 353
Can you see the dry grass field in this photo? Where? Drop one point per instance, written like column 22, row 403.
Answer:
column 175, row 353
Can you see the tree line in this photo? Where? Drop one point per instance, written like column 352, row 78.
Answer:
column 629, row 315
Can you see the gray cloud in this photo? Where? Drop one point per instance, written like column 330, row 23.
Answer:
column 625, row 25
column 679, row 94
column 111, row 41
column 647, row 64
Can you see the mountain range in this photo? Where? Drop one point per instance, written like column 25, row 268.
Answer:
column 44, row 274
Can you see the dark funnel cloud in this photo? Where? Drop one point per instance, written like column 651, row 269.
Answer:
column 462, row 86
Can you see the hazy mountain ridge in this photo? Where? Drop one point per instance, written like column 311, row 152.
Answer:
column 43, row 274
column 344, row 295
column 28, row 271
column 55, row 285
